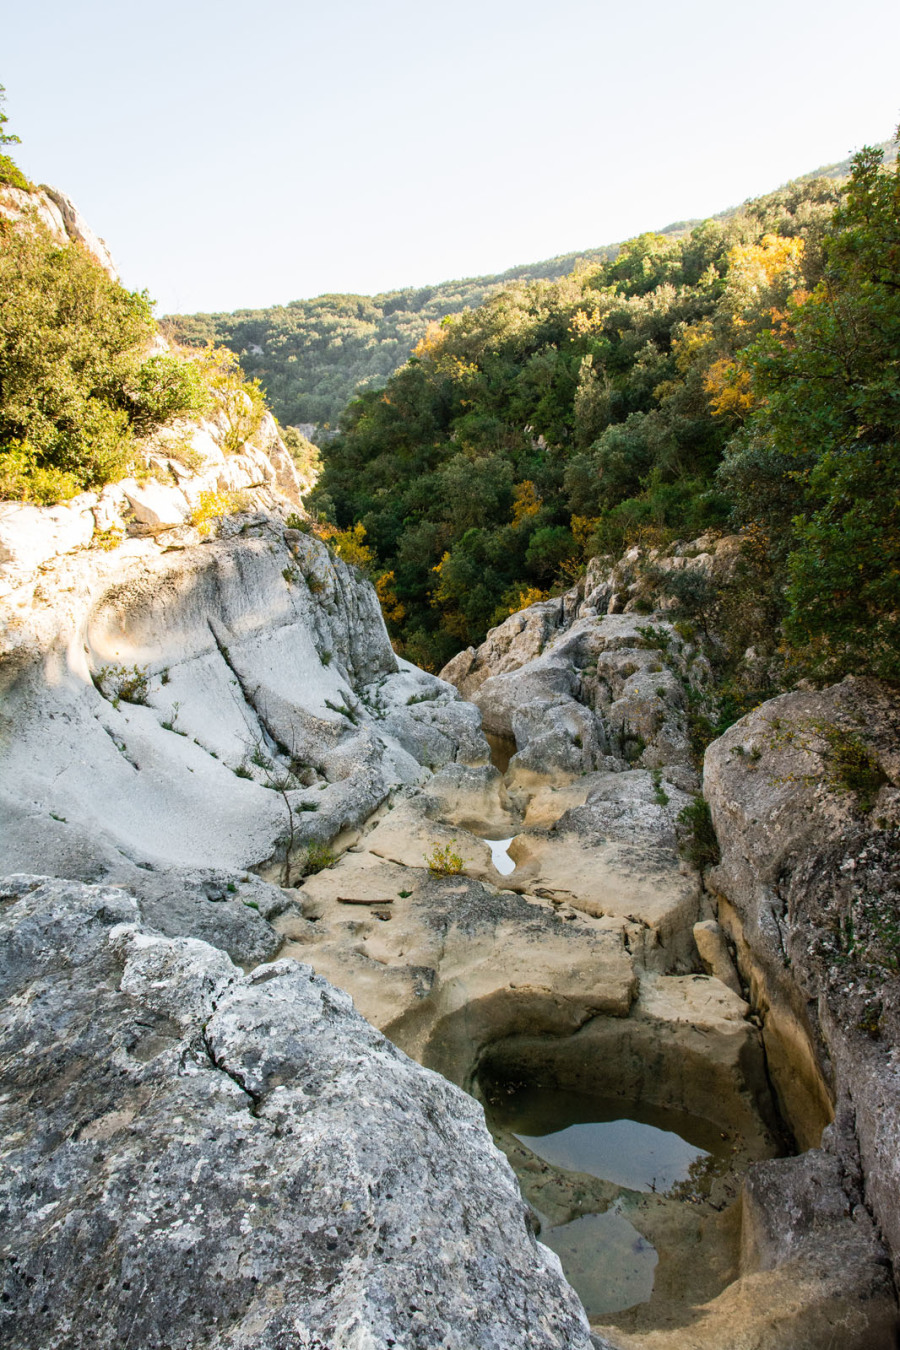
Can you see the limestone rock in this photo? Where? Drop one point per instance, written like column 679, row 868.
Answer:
column 579, row 692
column 58, row 214
column 713, row 951
column 196, row 1157
column 156, row 505
column 31, row 535
column 446, row 965
column 158, row 698
column 79, row 230
column 805, row 798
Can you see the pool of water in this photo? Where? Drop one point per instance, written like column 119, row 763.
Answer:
column 645, row 1149
column 499, row 856
column 642, row 1147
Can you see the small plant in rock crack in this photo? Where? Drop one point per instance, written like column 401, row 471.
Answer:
column 259, row 757
column 423, row 698
column 698, row 843
column 444, row 861
column 318, row 857
column 118, row 684
column 242, row 771
column 660, row 796
column 172, row 723
column 343, row 710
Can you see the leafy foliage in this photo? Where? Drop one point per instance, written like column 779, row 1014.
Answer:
column 10, row 172
column 444, row 861
column 76, row 384
column 820, row 463
column 561, row 419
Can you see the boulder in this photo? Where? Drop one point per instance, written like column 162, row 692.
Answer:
column 32, row 535
column 196, row 1157
column 156, row 505
column 579, row 692
column 805, row 799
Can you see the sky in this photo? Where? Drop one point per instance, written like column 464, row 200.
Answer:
column 238, row 157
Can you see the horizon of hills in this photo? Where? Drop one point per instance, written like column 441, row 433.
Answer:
column 313, row 355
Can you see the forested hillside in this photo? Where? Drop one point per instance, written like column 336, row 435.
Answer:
column 312, row 355
column 745, row 373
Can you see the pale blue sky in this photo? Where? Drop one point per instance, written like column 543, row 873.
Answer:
column 239, row 157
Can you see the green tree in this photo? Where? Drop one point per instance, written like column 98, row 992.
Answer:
column 830, row 374
column 76, row 385
column 9, row 170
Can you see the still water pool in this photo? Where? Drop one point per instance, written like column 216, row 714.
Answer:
column 636, row 1146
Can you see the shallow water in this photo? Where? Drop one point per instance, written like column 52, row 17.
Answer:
column 606, row 1261
column 642, row 1148
column 628, row 1152
column 630, row 1143
column 499, row 856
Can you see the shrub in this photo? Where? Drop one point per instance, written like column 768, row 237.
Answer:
column 242, row 401
column 853, row 767
column 165, row 387
column 75, row 383
column 444, row 861
column 212, row 506
column 120, row 684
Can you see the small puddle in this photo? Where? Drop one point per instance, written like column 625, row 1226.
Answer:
column 499, row 855
column 629, row 1143
column 606, row 1261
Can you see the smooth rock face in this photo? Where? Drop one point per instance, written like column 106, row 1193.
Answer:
column 805, row 798
column 199, row 1158
column 446, row 965
column 30, row 535
column 260, row 660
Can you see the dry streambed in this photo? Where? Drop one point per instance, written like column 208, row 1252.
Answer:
column 627, row 1088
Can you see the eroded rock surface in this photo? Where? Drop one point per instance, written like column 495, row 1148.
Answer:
column 804, row 796
column 215, row 705
column 199, row 1158
column 579, row 691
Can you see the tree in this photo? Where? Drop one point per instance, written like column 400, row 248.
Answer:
column 9, row 170
column 830, row 374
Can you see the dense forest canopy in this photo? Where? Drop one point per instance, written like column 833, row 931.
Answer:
column 745, row 372
column 313, row 355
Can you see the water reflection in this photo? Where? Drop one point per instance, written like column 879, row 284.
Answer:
column 499, row 856
column 606, row 1261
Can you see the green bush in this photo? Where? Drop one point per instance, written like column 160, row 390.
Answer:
column 75, row 385
column 444, row 861
column 318, row 857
